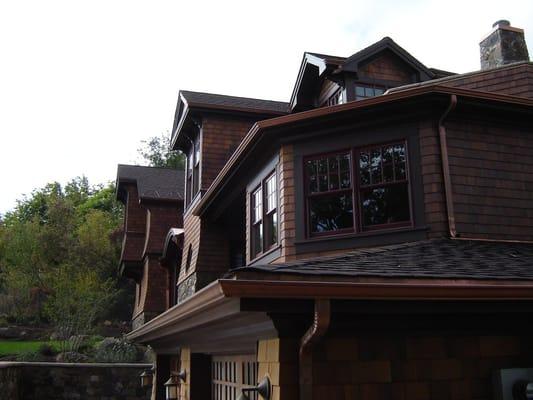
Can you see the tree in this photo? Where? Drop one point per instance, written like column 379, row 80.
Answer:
column 55, row 230
column 156, row 152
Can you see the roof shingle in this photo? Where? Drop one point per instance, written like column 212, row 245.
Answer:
column 437, row 258
column 153, row 182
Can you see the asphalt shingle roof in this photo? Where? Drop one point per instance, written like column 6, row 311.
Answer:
column 153, row 182
column 438, row 258
column 220, row 100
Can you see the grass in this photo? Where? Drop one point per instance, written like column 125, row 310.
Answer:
column 12, row 347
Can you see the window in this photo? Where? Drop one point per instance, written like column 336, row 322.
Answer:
column 264, row 216
column 336, row 98
column 189, row 259
column 230, row 374
column 271, row 215
column 193, row 170
column 384, row 188
column 377, row 198
column 329, row 189
column 257, row 221
column 196, row 173
column 364, row 91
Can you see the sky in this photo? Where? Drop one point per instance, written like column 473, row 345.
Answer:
column 82, row 83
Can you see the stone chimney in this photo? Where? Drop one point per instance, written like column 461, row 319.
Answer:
column 504, row 45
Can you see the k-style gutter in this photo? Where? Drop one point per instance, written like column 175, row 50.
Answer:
column 265, row 127
column 222, row 296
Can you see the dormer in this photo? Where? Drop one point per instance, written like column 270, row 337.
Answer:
column 208, row 128
column 325, row 80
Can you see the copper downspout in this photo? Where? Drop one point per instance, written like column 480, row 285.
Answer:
column 446, row 167
column 313, row 335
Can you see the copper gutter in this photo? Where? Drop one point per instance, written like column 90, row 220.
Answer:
column 316, row 331
column 426, row 290
column 446, row 167
column 259, row 128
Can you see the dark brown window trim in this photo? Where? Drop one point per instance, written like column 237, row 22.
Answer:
column 196, row 199
column 359, row 240
column 363, row 234
column 262, row 186
column 265, row 254
column 358, row 227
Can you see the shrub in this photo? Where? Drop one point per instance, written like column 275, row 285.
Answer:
column 116, row 350
column 46, row 350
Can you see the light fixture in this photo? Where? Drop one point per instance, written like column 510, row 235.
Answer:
column 147, row 377
column 263, row 388
column 172, row 386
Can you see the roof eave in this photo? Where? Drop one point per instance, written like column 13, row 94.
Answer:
column 318, row 113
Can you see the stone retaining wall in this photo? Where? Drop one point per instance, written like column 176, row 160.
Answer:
column 70, row 381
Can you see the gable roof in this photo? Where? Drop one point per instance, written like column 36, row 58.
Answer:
column 220, row 101
column 188, row 100
column 153, row 183
column 314, row 65
column 352, row 62
column 438, row 258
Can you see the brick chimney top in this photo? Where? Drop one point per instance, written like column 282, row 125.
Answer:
column 504, row 45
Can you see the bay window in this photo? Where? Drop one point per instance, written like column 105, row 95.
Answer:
column 356, row 190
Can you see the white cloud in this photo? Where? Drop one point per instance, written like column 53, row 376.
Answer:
column 82, row 83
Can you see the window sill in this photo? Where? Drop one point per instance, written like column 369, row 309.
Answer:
column 375, row 232
column 195, row 200
column 264, row 255
column 380, row 237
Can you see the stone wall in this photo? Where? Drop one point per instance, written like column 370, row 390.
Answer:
column 40, row 381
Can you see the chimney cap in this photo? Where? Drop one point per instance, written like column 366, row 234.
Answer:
column 501, row 23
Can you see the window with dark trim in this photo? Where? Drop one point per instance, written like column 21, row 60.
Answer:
column 336, row 98
column 329, row 193
column 257, row 221
column 378, row 196
column 193, row 171
column 383, row 186
column 189, row 259
column 264, row 216
column 364, row 91
column 196, row 173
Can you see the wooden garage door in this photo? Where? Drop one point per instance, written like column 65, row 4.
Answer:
column 231, row 374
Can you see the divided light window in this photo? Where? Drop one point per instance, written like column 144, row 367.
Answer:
column 329, row 188
column 378, row 196
column 264, row 218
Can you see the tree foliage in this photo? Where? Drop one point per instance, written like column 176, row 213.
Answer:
column 58, row 244
column 157, row 152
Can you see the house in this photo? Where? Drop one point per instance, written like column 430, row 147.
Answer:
column 370, row 239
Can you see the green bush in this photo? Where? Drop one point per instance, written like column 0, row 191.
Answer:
column 116, row 350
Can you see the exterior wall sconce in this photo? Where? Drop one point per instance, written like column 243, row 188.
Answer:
column 263, row 388
column 172, row 386
column 147, row 377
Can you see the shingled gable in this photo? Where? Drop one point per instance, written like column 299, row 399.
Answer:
column 153, row 183
column 315, row 66
column 192, row 103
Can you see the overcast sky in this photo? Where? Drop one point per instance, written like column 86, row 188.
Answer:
column 83, row 82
